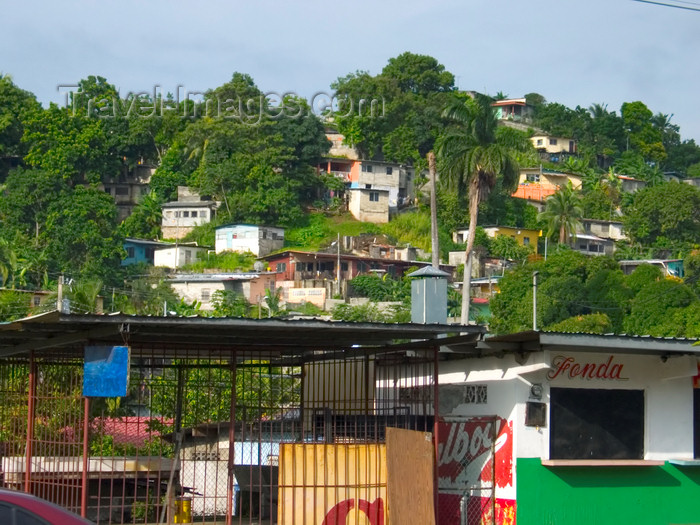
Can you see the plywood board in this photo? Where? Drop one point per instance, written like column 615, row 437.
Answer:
column 410, row 477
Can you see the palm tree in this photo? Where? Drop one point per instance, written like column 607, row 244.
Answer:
column 474, row 156
column 563, row 212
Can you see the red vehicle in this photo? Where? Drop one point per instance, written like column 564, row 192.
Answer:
column 19, row 508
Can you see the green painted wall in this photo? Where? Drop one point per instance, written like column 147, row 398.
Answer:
column 665, row 495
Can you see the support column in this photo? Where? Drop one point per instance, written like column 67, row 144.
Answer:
column 231, row 441
column 31, row 402
column 86, row 434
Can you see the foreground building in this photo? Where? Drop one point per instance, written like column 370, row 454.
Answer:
column 310, row 422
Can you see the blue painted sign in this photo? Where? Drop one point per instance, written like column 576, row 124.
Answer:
column 106, row 371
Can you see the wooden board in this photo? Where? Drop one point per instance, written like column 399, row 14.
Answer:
column 409, row 468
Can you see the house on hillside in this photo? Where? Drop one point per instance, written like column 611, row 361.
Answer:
column 536, row 184
column 259, row 240
column 129, row 187
column 515, row 109
column 588, row 244
column 178, row 255
column 630, row 184
column 374, row 189
column 141, row 251
column 669, row 267
column 553, row 148
column 318, row 270
column 523, row 236
column 189, row 210
column 200, row 287
column 606, row 229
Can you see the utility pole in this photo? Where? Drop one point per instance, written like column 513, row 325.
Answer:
column 534, row 300
column 338, row 266
column 432, row 170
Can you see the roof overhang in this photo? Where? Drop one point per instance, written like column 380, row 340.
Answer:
column 297, row 340
column 532, row 341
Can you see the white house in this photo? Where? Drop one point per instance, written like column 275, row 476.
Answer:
column 259, row 240
column 568, row 427
column 178, row 255
column 181, row 216
column 200, row 287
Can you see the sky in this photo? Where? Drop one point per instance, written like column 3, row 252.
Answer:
column 574, row 53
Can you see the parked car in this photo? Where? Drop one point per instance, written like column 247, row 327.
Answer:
column 20, row 508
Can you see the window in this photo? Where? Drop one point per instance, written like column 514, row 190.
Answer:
column 344, row 266
column 596, row 424
column 203, row 214
column 533, row 177
column 367, row 168
column 24, row 517
column 188, row 256
column 194, row 213
column 206, row 294
column 552, row 142
column 540, row 142
column 186, row 213
column 281, row 267
column 36, row 300
column 526, row 241
column 130, row 252
column 374, row 196
column 122, row 190
column 368, row 186
column 476, row 394
column 177, row 214
column 605, row 228
column 389, row 170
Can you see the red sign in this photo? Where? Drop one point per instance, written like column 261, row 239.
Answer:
column 568, row 366
column 467, row 448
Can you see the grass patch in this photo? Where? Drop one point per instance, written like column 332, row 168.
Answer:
column 225, row 261
column 319, row 231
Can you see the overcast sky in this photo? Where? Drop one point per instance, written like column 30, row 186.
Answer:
column 575, row 53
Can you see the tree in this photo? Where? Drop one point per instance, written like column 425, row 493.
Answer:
column 563, row 212
column 655, row 309
column 81, row 236
column 25, row 201
column 664, row 216
column 396, row 114
column 228, row 303
column 145, row 220
column 474, row 160
column 16, row 105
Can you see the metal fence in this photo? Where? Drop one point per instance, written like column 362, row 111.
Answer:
column 213, row 435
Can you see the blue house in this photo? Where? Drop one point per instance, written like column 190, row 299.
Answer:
column 140, row 250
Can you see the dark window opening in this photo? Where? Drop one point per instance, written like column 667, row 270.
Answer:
column 596, row 424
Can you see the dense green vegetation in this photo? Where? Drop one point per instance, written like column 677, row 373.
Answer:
column 257, row 156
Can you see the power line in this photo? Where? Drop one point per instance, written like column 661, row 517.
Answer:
column 663, row 4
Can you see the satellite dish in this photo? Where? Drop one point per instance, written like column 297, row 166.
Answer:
column 259, row 266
